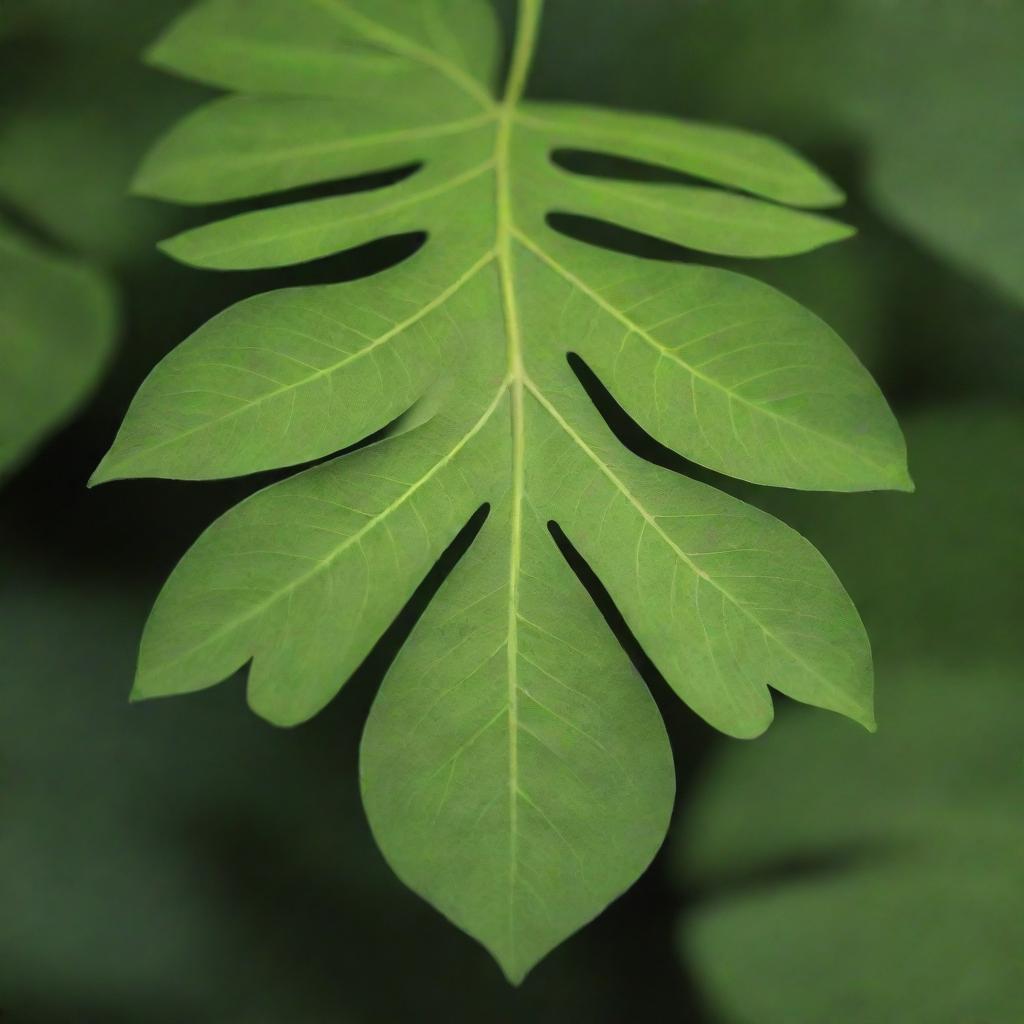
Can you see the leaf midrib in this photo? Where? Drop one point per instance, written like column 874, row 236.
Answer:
column 528, row 18
column 515, row 374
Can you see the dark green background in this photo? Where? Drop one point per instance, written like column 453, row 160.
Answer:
column 182, row 861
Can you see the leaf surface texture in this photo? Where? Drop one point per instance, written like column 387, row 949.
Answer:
column 514, row 767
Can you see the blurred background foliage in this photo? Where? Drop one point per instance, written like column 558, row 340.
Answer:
column 839, row 876
column 183, row 861
column 58, row 320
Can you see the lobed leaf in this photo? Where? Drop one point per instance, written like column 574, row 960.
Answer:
column 514, row 770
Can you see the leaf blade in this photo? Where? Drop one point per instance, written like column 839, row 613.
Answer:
column 782, row 617
column 299, row 232
column 246, row 146
column 509, row 812
column 843, row 438
column 329, row 341
column 330, row 47
column 346, row 522
column 727, row 156
column 700, row 218
column 468, row 726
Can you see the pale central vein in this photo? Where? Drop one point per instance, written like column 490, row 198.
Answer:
column 503, row 247
column 526, row 29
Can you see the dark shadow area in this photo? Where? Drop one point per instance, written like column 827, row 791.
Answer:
column 820, row 864
column 31, row 228
column 373, row 669
column 633, row 437
column 615, row 238
column 33, row 1009
column 350, row 265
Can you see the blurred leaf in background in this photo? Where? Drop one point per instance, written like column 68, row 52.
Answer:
column 77, row 109
column 118, row 828
column 929, row 90
column 74, row 112
column 57, row 326
column 58, row 307
column 937, row 577
column 858, row 882
column 864, row 879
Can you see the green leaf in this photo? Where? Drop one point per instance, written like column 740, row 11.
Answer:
column 514, row 769
column 57, row 324
column 515, row 772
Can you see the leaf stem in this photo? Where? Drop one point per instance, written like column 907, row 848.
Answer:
column 527, row 23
